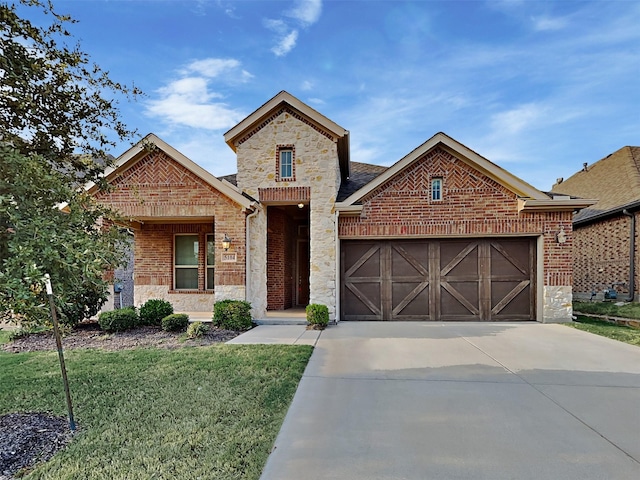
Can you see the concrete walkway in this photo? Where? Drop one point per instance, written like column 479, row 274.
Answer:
column 283, row 334
column 462, row 401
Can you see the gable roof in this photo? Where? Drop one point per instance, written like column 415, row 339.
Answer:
column 257, row 118
column 140, row 150
column 613, row 180
column 530, row 198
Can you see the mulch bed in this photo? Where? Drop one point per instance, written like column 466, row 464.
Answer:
column 30, row 438
column 89, row 335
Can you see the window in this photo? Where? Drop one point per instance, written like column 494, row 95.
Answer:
column 211, row 260
column 186, row 262
column 436, row 189
column 285, row 163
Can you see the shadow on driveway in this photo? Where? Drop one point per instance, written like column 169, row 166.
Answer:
column 463, row 401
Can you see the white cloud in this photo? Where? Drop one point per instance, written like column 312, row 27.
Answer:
column 278, row 26
column 306, row 12
column 190, row 101
column 306, row 86
column 544, row 24
column 228, row 8
column 286, row 44
column 517, row 119
column 212, row 67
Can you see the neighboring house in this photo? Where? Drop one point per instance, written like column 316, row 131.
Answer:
column 443, row 234
column 605, row 247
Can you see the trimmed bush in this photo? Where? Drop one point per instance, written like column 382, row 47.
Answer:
column 317, row 316
column 197, row 329
column 232, row 315
column 118, row 320
column 175, row 322
column 154, row 310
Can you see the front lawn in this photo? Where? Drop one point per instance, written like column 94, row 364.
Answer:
column 607, row 329
column 627, row 310
column 206, row 412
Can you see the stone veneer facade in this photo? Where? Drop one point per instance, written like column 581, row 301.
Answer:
column 316, row 167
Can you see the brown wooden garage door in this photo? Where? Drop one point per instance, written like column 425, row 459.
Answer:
column 470, row 279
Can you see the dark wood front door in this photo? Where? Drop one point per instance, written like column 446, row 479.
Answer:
column 466, row 279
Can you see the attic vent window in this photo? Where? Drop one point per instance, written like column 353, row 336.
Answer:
column 436, row 189
column 285, row 163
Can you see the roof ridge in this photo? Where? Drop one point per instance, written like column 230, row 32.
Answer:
column 635, row 160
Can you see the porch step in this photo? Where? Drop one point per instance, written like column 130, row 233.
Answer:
column 281, row 321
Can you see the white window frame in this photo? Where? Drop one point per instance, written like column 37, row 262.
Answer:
column 177, row 267
column 436, row 189
column 282, row 164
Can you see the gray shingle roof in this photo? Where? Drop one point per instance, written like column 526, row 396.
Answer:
column 361, row 174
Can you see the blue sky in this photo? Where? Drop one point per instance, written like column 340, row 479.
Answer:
column 537, row 87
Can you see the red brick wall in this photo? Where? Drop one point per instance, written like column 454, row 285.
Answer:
column 601, row 255
column 280, row 259
column 472, row 205
column 156, row 186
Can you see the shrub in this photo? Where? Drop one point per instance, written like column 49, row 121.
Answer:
column 154, row 310
column 175, row 322
column 317, row 316
column 118, row 320
column 197, row 329
column 232, row 315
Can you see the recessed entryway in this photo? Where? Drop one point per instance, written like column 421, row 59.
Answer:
column 287, row 257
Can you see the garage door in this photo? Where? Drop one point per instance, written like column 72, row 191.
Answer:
column 470, row 279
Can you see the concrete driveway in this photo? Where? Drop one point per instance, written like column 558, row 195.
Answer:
column 463, row 401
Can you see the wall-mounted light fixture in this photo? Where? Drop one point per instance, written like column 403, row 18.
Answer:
column 226, row 242
column 561, row 237
column 301, row 205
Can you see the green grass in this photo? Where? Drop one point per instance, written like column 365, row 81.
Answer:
column 606, row 329
column 208, row 412
column 628, row 310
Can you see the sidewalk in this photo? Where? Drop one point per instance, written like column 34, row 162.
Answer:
column 281, row 334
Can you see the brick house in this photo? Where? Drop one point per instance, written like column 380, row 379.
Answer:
column 443, row 234
column 605, row 253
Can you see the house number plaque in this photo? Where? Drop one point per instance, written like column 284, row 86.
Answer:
column 229, row 257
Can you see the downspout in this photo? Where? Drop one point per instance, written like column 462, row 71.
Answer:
column 632, row 251
column 338, row 262
column 247, row 255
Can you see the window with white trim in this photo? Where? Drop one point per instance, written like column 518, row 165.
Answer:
column 436, row 189
column 186, row 262
column 211, row 260
column 286, row 164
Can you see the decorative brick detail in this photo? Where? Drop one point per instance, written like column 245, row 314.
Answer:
column 472, row 205
column 277, row 113
column 286, row 194
column 279, row 149
column 157, row 186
